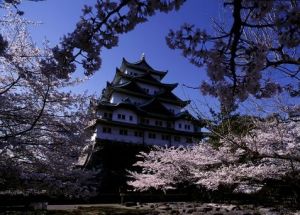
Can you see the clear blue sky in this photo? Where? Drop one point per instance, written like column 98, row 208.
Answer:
column 59, row 17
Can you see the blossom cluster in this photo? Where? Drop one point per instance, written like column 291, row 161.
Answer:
column 41, row 122
column 269, row 151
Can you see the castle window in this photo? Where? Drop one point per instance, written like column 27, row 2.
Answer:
column 138, row 134
column 158, row 123
column 107, row 115
column 106, row 130
column 146, row 90
column 121, row 116
column 145, row 121
column 189, row 140
column 130, row 118
column 179, row 125
column 123, row 132
column 165, row 137
column 177, row 139
column 152, row 135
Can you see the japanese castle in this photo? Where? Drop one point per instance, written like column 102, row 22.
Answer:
column 136, row 107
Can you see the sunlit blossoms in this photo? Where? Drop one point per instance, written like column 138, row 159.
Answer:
column 270, row 151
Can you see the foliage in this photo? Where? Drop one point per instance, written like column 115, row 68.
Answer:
column 251, row 57
column 270, row 151
column 238, row 125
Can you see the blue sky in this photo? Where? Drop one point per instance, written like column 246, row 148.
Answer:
column 59, row 17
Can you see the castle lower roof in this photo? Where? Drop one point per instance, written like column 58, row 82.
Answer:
column 152, row 108
column 148, row 128
column 131, row 88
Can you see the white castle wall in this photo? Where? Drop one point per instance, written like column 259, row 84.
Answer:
column 154, row 122
column 116, row 136
column 101, row 114
column 127, row 114
column 134, row 72
column 120, row 97
column 181, row 125
column 152, row 90
column 131, row 138
column 157, row 141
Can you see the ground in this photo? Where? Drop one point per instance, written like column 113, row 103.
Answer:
column 182, row 208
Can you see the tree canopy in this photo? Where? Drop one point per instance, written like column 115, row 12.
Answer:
column 249, row 56
column 269, row 151
column 255, row 55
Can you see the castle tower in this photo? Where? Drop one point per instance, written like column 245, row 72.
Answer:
column 136, row 107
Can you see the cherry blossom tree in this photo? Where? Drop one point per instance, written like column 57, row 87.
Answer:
column 271, row 150
column 256, row 55
column 41, row 122
column 250, row 55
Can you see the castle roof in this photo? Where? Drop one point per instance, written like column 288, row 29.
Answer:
column 146, row 78
column 143, row 66
column 155, row 107
column 151, row 108
column 148, row 128
column 131, row 88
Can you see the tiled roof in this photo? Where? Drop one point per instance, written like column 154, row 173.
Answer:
column 130, row 86
column 145, row 78
column 148, row 127
column 155, row 107
column 142, row 65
